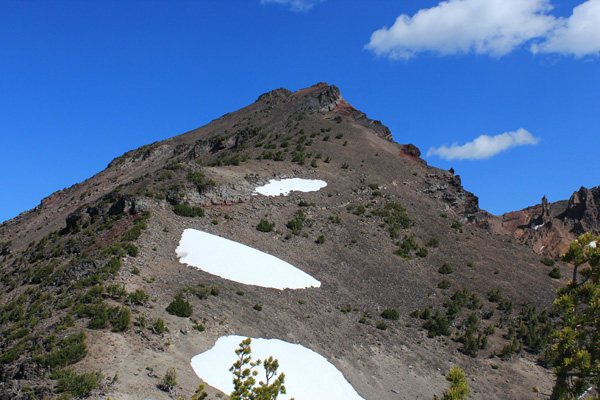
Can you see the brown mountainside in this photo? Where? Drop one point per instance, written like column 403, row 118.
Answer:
column 396, row 236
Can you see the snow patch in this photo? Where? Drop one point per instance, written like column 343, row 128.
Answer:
column 285, row 186
column 240, row 263
column 535, row 228
column 308, row 375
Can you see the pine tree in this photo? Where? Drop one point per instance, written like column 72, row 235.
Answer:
column 244, row 376
column 459, row 390
column 575, row 354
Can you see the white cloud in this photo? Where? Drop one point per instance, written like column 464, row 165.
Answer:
column 295, row 5
column 578, row 35
column 492, row 27
column 485, row 146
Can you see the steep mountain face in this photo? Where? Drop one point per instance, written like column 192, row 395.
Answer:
column 548, row 228
column 388, row 232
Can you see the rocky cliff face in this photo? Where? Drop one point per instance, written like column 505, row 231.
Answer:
column 548, row 228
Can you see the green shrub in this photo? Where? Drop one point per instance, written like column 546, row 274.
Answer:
column 555, row 273
column 258, row 307
column 422, row 252
column 131, row 249
column 93, row 294
column 408, row 244
column 296, row 224
column 265, row 226
column 506, row 305
column 394, row 217
column 382, row 326
column 390, row 313
column 433, row 242
column 320, row 239
column 456, row 225
column 438, row 325
column 359, row 210
column 116, row 291
column 159, row 327
column 98, row 314
column 169, row 381
column 446, row 269
column 547, row 261
column 70, row 350
column 42, row 273
column 68, row 381
column 200, row 180
column 10, row 355
column 122, row 320
column 494, row 295
column 18, row 334
column 114, row 265
column 444, row 284
column 180, row 307
column 138, row 297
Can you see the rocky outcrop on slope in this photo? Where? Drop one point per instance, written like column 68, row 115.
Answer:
column 548, row 228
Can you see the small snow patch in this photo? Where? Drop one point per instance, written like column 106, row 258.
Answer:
column 308, row 375
column 285, row 186
column 240, row 263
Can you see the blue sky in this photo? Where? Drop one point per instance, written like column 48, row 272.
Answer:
column 82, row 82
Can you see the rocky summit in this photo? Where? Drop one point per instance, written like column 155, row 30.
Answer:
column 414, row 277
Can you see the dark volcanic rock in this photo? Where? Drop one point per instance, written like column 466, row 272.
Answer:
column 274, row 95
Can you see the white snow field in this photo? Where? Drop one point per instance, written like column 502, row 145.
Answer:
column 308, row 375
column 240, row 263
column 285, row 186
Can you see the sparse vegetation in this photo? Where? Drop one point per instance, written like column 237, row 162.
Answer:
column 391, row 313
column 169, row 381
column 180, row 307
column 446, row 269
column 547, row 261
column 265, row 226
column 73, row 384
column 159, row 327
column 555, row 273
column 444, row 284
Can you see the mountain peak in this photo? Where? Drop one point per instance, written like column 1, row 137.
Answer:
column 374, row 233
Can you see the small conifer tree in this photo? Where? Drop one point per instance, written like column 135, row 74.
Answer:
column 244, row 376
column 575, row 354
column 459, row 390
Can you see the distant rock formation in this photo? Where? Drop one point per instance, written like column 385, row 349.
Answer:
column 547, row 227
